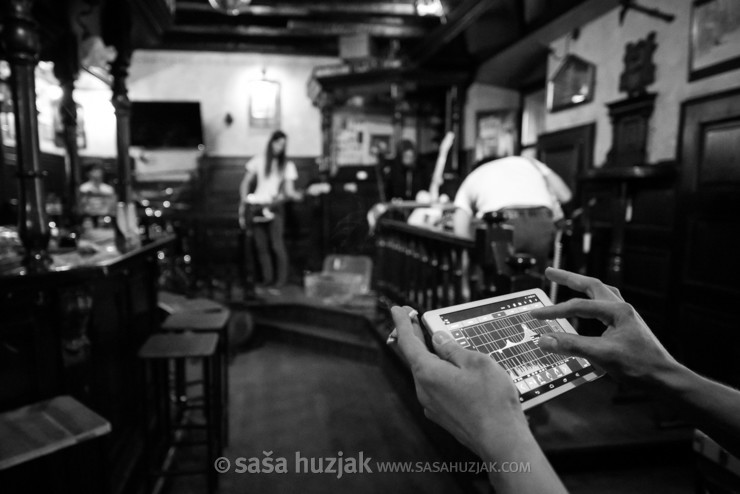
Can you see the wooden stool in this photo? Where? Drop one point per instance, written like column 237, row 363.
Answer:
column 40, row 429
column 204, row 322
column 161, row 349
column 172, row 303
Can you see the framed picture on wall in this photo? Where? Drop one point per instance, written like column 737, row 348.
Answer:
column 496, row 133
column 715, row 36
column 572, row 84
column 264, row 104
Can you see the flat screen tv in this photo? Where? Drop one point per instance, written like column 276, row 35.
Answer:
column 166, row 124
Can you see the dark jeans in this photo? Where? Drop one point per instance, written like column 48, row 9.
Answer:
column 268, row 242
column 534, row 232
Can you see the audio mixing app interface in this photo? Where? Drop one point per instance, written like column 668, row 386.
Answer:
column 509, row 334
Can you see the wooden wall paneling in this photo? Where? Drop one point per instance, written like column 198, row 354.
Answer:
column 29, row 360
column 345, row 217
column 648, row 243
column 707, row 265
column 218, row 242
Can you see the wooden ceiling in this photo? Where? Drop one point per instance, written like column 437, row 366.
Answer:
column 302, row 27
column 502, row 42
column 469, row 32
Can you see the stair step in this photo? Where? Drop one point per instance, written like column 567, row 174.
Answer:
column 320, row 339
column 312, row 330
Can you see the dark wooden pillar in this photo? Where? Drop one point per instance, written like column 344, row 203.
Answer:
column 66, row 71
column 400, row 108
column 401, row 177
column 117, row 25
column 125, row 235
column 22, row 48
column 326, row 106
column 454, row 123
column 327, row 166
column 122, row 105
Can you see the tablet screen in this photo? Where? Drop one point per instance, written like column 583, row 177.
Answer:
column 507, row 332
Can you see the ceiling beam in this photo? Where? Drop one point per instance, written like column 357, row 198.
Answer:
column 242, row 32
column 303, row 49
column 287, row 9
column 301, row 29
column 214, row 17
column 343, row 29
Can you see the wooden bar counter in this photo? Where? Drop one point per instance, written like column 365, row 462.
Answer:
column 75, row 330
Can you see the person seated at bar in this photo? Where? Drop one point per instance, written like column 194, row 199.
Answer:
column 97, row 198
column 527, row 192
column 473, row 397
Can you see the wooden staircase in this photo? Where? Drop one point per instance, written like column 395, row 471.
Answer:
column 321, row 328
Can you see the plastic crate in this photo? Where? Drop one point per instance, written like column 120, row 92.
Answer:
column 359, row 265
column 336, row 286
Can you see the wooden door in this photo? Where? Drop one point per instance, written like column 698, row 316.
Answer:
column 707, row 274
column 568, row 153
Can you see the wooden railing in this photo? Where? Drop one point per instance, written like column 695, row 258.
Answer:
column 424, row 268
column 429, row 269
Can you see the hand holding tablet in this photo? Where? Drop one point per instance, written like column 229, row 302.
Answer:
column 469, row 394
column 504, row 329
column 449, row 383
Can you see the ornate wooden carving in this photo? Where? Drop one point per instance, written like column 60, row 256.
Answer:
column 631, row 116
column 630, row 123
column 639, row 69
column 456, row 95
column 326, row 105
column 22, row 47
column 122, row 105
column 66, row 70
column 400, row 109
column 116, row 21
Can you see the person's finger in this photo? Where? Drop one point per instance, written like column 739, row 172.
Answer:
column 606, row 312
column 450, row 350
column 592, row 287
column 410, row 339
column 615, row 291
column 590, row 347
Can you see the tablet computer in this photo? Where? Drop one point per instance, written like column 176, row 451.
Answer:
column 503, row 328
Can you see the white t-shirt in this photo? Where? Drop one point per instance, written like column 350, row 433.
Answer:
column 97, row 199
column 511, row 182
column 101, row 189
column 268, row 187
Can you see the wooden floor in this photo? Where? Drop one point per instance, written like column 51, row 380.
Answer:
column 289, row 399
column 285, row 399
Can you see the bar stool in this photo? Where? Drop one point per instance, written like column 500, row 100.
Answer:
column 35, row 431
column 161, row 350
column 211, row 321
column 172, row 303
